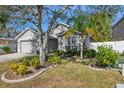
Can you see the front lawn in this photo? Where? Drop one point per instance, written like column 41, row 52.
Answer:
column 69, row 75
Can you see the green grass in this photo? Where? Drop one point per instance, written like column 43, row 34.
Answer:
column 68, row 75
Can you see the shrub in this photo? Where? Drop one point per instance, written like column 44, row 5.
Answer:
column 6, row 49
column 106, row 56
column 59, row 53
column 35, row 62
column 14, row 67
column 91, row 53
column 55, row 59
column 26, row 62
column 22, row 69
column 72, row 52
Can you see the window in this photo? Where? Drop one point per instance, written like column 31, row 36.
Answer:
column 72, row 42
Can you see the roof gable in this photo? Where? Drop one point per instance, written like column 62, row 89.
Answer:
column 23, row 32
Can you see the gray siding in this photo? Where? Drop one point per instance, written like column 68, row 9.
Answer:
column 118, row 31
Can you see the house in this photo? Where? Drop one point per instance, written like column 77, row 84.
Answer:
column 27, row 40
column 11, row 42
column 118, row 30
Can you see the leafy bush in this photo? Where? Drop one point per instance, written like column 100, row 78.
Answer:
column 55, row 59
column 35, row 62
column 106, row 56
column 91, row 53
column 68, row 53
column 26, row 62
column 6, row 49
column 22, row 69
column 59, row 53
column 14, row 67
column 72, row 52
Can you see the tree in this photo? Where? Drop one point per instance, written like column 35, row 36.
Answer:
column 37, row 16
column 96, row 22
column 3, row 17
column 80, row 23
column 101, row 18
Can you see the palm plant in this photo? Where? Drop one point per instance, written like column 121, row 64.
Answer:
column 81, row 23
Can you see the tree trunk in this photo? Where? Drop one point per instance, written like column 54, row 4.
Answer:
column 43, row 56
column 41, row 41
column 42, row 51
column 81, row 51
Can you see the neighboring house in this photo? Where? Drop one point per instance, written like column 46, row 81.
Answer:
column 118, row 30
column 11, row 42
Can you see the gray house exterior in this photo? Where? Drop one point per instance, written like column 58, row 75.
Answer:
column 72, row 42
column 118, row 30
column 27, row 41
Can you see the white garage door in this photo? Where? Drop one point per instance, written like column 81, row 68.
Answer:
column 26, row 47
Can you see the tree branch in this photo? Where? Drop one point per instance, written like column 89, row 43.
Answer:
column 23, row 18
column 55, row 17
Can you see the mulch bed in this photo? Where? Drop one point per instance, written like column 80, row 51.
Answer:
column 102, row 68
column 98, row 66
column 14, row 76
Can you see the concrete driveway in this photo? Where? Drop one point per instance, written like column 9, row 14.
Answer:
column 14, row 56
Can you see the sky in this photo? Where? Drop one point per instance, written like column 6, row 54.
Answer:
column 44, row 26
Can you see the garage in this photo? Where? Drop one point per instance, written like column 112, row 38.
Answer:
column 26, row 47
column 26, row 42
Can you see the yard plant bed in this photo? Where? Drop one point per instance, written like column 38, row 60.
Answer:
column 101, row 68
column 97, row 67
column 14, row 76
